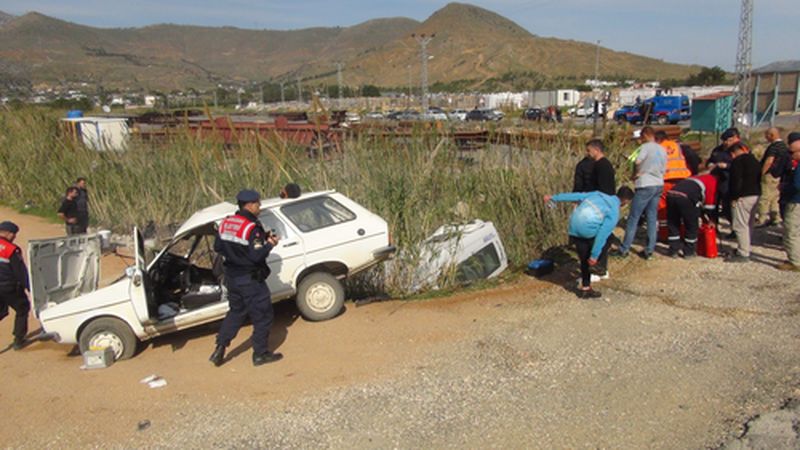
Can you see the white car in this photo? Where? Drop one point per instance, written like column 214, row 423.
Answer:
column 458, row 114
column 435, row 113
column 325, row 237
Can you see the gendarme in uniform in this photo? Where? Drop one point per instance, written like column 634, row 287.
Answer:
column 13, row 282
column 245, row 245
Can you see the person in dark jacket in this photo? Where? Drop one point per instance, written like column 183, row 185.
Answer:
column 244, row 246
column 745, row 188
column 82, row 202
column 291, row 190
column 582, row 180
column 775, row 158
column 68, row 212
column 14, row 286
column 690, row 156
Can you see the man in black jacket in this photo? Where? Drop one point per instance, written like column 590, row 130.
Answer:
column 776, row 156
column 14, row 287
column 745, row 188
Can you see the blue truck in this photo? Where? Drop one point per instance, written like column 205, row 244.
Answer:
column 663, row 109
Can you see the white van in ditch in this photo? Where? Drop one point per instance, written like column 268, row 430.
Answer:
column 325, row 237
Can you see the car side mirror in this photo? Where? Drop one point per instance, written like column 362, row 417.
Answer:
column 133, row 273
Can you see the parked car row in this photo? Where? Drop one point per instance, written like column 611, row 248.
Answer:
column 434, row 113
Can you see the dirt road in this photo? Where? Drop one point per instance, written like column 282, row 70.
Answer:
column 678, row 354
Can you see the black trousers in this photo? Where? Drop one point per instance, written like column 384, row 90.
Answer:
column 247, row 298
column 681, row 210
column 583, row 247
column 19, row 303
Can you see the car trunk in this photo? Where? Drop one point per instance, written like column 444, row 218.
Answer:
column 63, row 268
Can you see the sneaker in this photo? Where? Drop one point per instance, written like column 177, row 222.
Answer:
column 595, row 279
column 786, row 265
column 617, row 253
column 588, row 294
column 737, row 258
column 673, row 253
column 600, row 277
column 645, row 255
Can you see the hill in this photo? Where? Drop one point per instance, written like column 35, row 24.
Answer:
column 471, row 44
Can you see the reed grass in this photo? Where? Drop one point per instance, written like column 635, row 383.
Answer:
column 416, row 183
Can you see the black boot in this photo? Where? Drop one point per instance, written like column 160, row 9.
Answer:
column 218, row 357
column 266, row 358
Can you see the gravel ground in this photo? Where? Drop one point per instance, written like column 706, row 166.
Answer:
column 678, row 354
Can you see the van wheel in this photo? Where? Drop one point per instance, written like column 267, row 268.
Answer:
column 320, row 296
column 109, row 332
column 662, row 120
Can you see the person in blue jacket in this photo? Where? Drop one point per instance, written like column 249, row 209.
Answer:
column 590, row 226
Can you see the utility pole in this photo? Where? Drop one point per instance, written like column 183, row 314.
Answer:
column 283, row 97
column 299, row 90
column 408, row 97
column 423, row 41
column 216, row 105
column 596, row 112
column 261, row 92
column 744, row 64
column 339, row 82
column 597, row 65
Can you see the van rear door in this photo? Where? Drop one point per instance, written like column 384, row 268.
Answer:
column 63, row 268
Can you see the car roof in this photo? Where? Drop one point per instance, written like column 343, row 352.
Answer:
column 224, row 209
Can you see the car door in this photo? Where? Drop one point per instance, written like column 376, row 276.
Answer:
column 137, row 276
column 63, row 268
column 285, row 260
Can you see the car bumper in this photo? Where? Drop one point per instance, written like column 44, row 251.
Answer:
column 384, row 253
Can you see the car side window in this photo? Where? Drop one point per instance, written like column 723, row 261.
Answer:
column 478, row 266
column 316, row 213
column 271, row 222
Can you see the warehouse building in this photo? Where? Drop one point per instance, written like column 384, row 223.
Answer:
column 776, row 89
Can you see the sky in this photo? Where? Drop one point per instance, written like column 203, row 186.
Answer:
column 703, row 32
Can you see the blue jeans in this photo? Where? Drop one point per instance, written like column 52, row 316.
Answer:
column 645, row 201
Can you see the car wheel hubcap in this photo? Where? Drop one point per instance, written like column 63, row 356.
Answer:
column 321, row 297
column 108, row 340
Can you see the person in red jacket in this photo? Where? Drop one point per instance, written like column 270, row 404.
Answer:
column 687, row 201
column 14, row 286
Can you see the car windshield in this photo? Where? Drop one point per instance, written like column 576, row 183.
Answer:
column 316, row 213
column 478, row 266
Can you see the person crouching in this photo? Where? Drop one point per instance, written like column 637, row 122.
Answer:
column 590, row 226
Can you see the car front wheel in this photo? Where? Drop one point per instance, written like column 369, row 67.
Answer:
column 320, row 296
column 109, row 332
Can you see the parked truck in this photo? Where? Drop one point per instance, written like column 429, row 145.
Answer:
column 661, row 109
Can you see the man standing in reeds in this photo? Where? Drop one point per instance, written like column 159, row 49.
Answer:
column 82, row 202
column 68, row 212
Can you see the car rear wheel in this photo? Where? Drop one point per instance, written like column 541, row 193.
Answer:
column 662, row 120
column 320, row 296
column 109, row 332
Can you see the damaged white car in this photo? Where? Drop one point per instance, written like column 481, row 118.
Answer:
column 325, row 237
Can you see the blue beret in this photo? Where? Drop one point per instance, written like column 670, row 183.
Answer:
column 9, row 226
column 248, row 196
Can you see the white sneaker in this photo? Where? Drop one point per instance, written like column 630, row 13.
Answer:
column 595, row 278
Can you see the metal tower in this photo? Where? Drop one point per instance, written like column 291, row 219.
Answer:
column 744, row 63
column 423, row 41
column 339, row 81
